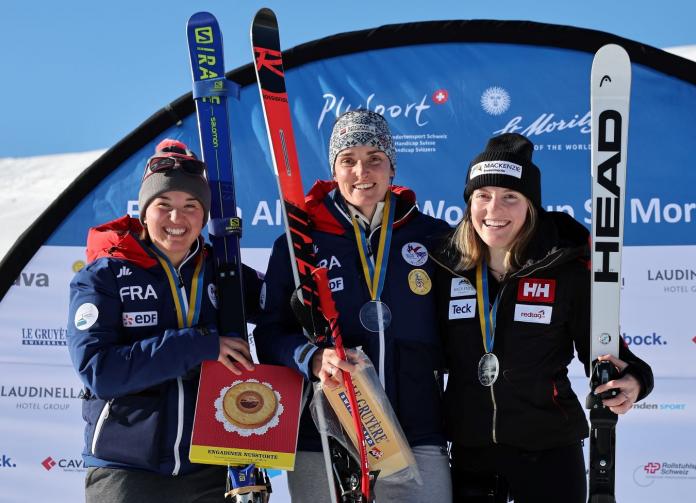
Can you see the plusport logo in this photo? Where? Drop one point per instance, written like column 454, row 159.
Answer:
column 495, row 100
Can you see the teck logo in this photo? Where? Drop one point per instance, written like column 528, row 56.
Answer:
column 537, row 290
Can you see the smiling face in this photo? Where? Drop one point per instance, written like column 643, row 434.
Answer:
column 363, row 175
column 498, row 214
column 174, row 221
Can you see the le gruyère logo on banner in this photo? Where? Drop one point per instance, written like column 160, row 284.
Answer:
column 495, row 100
column 414, row 253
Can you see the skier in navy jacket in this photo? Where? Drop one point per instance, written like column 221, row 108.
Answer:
column 514, row 303
column 408, row 354
column 143, row 316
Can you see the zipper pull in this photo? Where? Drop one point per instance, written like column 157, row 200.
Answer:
column 181, row 279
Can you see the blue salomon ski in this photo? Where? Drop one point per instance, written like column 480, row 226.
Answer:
column 245, row 484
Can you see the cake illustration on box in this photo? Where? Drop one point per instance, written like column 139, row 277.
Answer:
column 248, row 407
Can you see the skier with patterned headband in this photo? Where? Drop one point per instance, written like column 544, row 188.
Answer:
column 376, row 244
column 143, row 316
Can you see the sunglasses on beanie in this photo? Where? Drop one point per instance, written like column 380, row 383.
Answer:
column 162, row 164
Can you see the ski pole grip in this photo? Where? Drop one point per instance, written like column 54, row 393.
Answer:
column 321, row 279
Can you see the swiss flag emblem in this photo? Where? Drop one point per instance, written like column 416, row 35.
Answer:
column 440, row 96
column 537, row 290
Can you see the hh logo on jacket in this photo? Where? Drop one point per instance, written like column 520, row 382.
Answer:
column 536, row 290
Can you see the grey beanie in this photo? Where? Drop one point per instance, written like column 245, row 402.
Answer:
column 156, row 184
column 506, row 162
column 357, row 128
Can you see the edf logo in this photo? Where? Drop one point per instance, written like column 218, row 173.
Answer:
column 537, row 290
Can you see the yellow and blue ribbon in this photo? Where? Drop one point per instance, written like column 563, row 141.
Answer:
column 486, row 313
column 186, row 314
column 375, row 274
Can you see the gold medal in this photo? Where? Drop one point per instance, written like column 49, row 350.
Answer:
column 419, row 281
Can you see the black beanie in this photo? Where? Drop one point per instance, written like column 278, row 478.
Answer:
column 506, row 162
column 156, row 184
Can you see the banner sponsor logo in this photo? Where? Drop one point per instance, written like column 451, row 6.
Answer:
column 337, row 105
column 495, row 100
column 648, row 473
column 66, row 464
column 546, row 123
column 46, row 398
column 663, row 406
column 32, row 279
column 6, row 462
column 42, row 336
column 674, row 280
column 652, row 339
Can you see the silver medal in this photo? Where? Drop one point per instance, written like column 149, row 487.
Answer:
column 375, row 316
column 488, row 369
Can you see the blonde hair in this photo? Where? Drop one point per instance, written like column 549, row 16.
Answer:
column 472, row 250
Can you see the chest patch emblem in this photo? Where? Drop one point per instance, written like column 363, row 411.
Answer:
column 414, row 253
column 419, row 281
column 536, row 290
column 461, row 287
column 533, row 314
column 462, row 308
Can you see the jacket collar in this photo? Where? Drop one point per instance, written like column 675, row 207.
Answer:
column 328, row 212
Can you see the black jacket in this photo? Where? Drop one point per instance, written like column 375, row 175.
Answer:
column 531, row 404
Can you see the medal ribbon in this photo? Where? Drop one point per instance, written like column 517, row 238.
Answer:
column 186, row 314
column 375, row 274
column 486, row 313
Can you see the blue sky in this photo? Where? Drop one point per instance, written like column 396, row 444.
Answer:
column 80, row 75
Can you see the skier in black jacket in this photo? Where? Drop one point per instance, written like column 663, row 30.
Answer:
column 514, row 302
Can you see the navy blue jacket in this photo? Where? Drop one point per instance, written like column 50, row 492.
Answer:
column 412, row 349
column 141, row 370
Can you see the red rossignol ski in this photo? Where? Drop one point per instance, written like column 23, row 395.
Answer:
column 271, row 80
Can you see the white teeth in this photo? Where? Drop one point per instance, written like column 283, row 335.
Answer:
column 175, row 232
column 495, row 223
column 363, row 186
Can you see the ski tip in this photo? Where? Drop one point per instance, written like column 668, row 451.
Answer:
column 611, row 52
column 202, row 18
column 611, row 70
column 265, row 17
